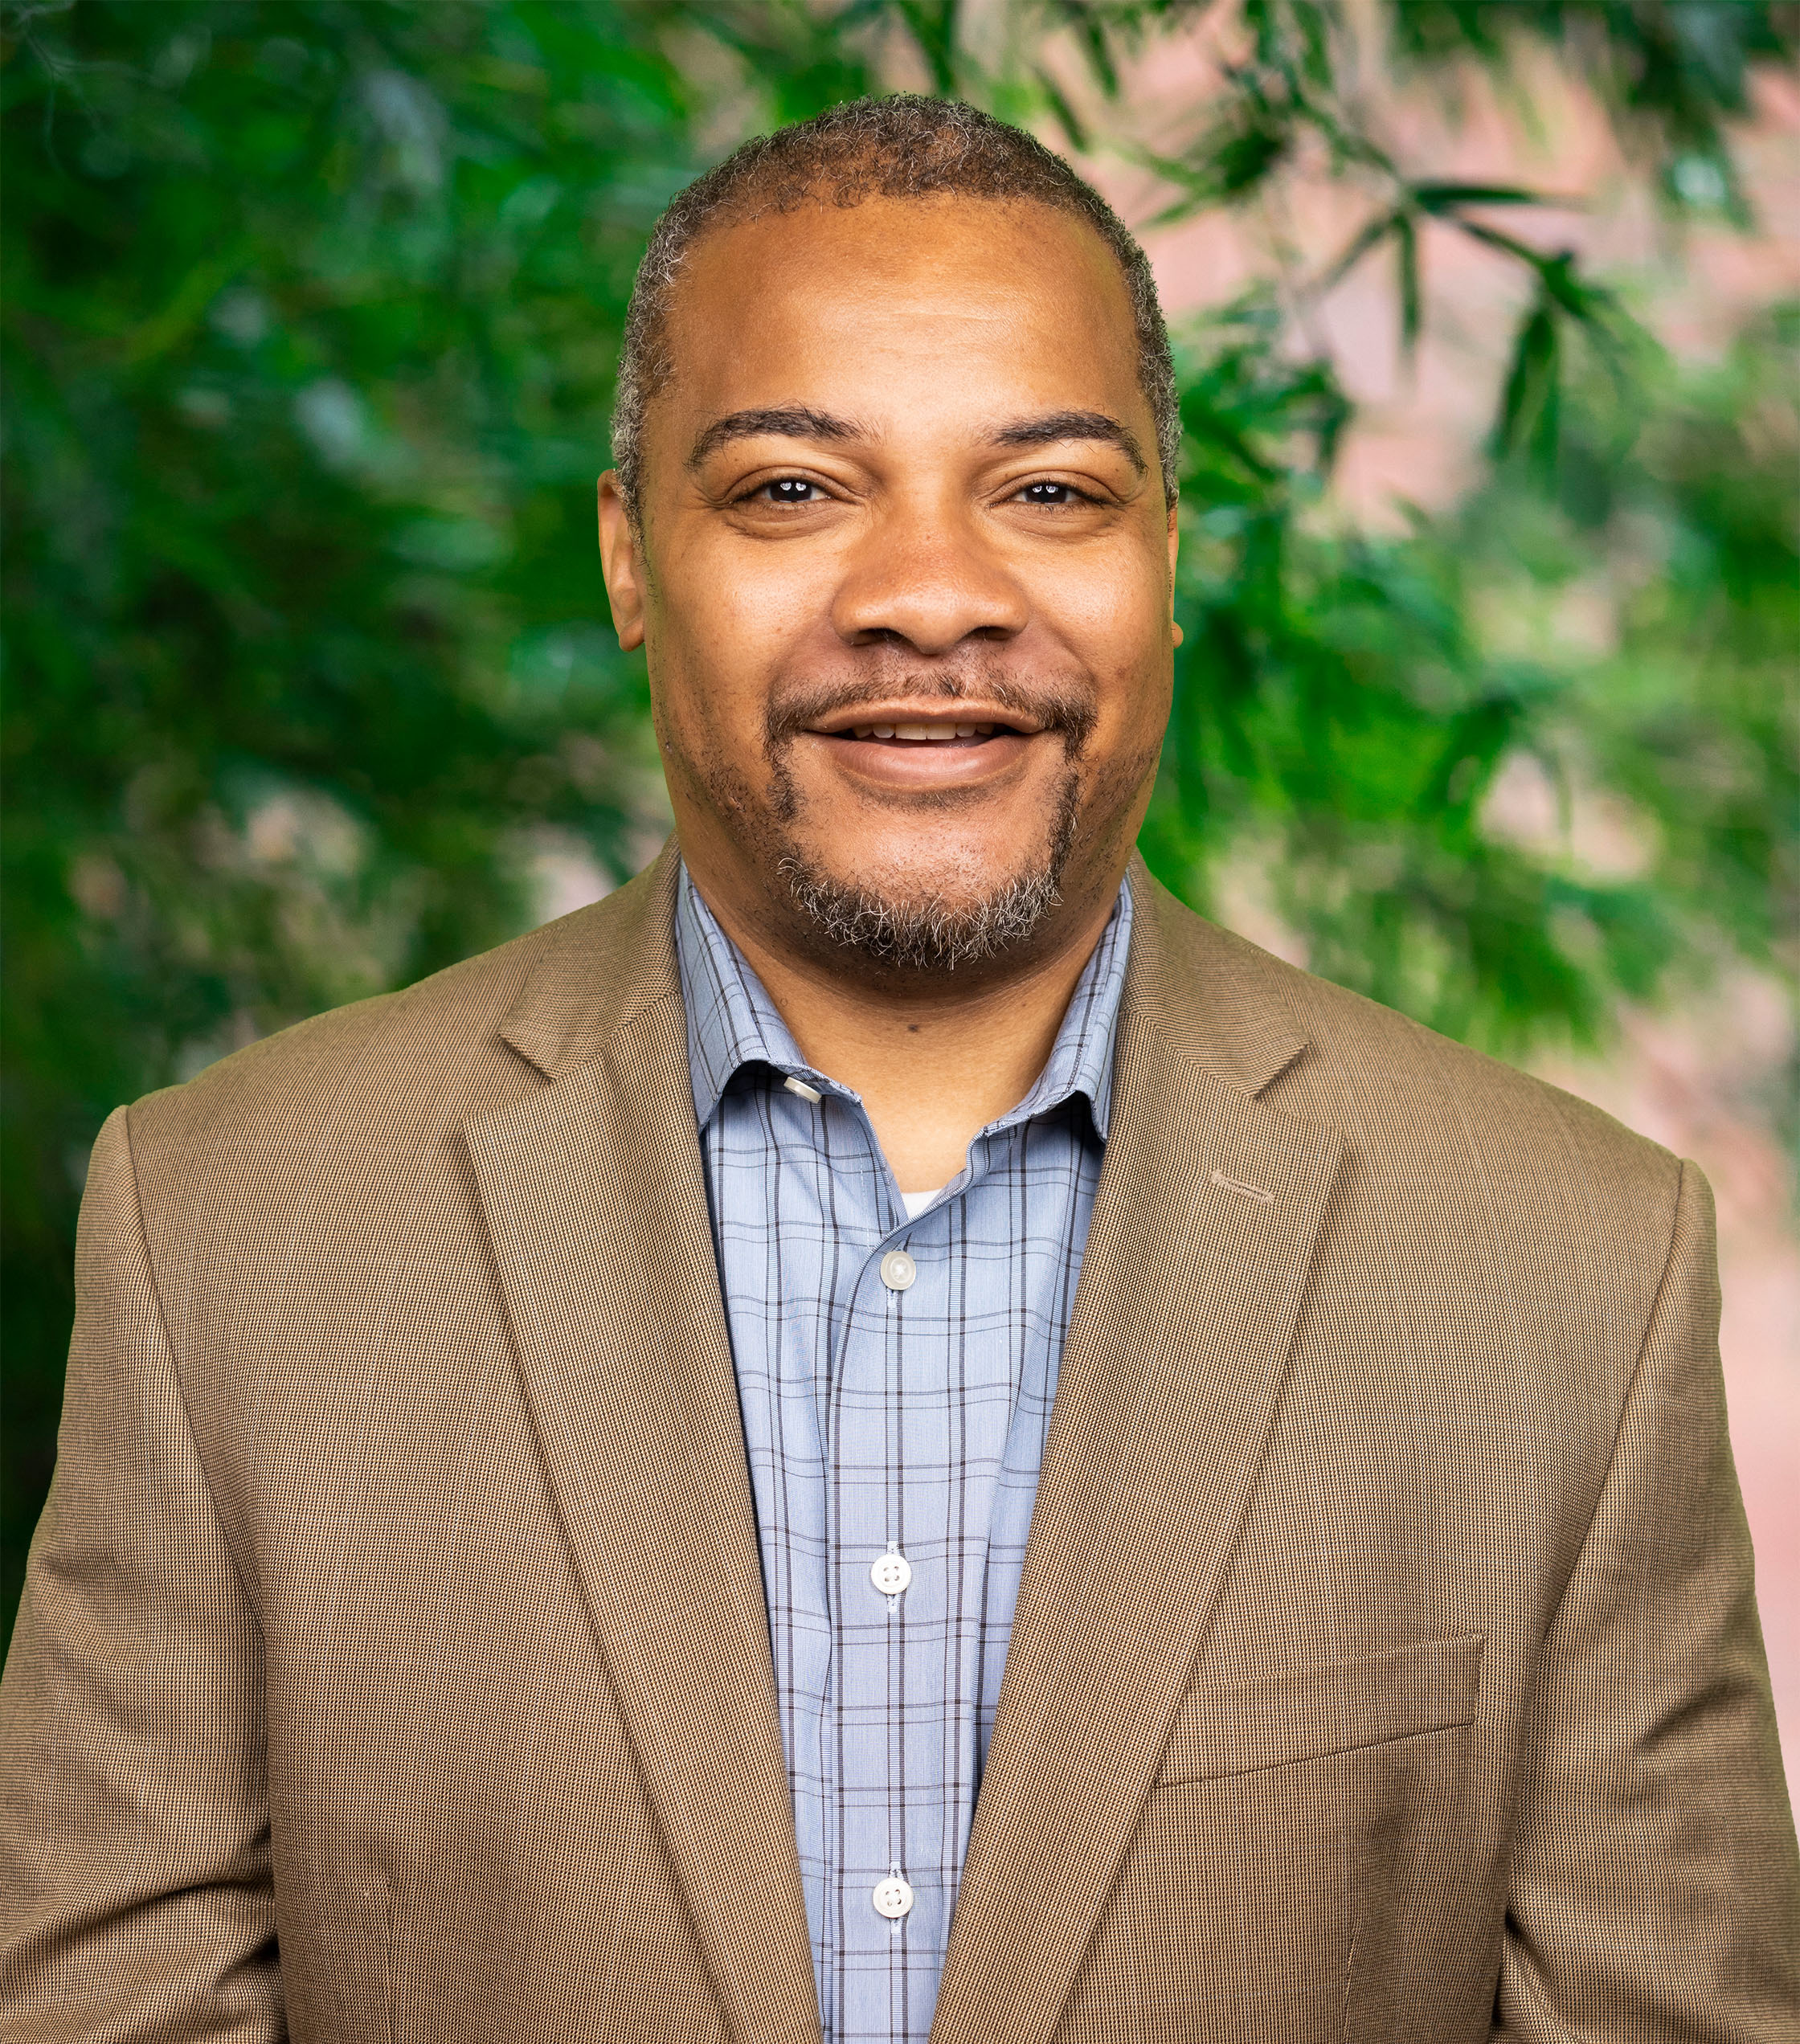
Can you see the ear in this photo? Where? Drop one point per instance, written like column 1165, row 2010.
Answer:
column 622, row 562
column 1174, row 550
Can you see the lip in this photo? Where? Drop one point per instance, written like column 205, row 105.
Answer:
column 924, row 765
column 936, row 716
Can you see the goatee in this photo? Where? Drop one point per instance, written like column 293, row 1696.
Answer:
column 928, row 930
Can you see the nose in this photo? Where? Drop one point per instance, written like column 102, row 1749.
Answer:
column 923, row 578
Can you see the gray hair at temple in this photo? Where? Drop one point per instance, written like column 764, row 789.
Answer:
column 904, row 147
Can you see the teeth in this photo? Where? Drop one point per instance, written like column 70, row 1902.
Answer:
column 923, row 734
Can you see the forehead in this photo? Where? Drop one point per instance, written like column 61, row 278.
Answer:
column 905, row 311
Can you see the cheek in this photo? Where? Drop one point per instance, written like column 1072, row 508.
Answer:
column 755, row 595
column 706, row 693
column 724, row 630
column 1110, row 606
column 1135, row 675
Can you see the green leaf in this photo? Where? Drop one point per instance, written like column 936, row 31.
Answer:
column 1406, row 241
column 1432, row 197
column 1528, row 414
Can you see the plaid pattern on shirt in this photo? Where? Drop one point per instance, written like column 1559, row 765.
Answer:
column 878, row 1420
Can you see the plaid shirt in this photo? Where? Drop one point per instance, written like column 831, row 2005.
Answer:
column 884, row 1423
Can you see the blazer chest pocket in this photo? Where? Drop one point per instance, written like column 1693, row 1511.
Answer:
column 1293, row 1817
column 1338, row 1708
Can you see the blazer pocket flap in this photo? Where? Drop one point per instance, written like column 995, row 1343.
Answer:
column 1305, row 1713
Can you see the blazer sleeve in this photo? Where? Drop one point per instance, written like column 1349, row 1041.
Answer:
column 1655, row 1891
column 136, row 1899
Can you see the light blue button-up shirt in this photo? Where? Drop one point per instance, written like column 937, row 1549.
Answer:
column 883, row 1422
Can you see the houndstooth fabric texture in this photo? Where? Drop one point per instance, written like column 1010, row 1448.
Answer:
column 878, row 1420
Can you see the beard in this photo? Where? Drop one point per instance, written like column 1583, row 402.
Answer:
column 931, row 911
column 927, row 929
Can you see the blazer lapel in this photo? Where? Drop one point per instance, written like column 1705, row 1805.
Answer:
column 594, row 1196
column 1196, row 1267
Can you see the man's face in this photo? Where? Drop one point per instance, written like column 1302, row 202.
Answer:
column 903, row 578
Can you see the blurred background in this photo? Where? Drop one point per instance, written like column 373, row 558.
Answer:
column 1488, row 318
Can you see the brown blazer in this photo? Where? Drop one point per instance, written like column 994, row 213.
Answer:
column 394, row 1652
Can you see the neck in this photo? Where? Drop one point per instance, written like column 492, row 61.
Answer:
column 934, row 1062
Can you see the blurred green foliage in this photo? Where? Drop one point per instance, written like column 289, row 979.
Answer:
column 310, row 313
column 1617, row 640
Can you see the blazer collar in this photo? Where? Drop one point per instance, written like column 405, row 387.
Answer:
column 1218, row 1002
column 595, row 971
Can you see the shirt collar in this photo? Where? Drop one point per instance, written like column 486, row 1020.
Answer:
column 733, row 1023
column 731, row 1020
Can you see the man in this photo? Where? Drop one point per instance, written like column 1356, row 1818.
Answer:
column 558, row 1460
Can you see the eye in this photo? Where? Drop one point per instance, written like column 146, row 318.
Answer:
column 787, row 489
column 1054, row 496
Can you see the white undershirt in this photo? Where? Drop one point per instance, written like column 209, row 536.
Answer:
column 916, row 1203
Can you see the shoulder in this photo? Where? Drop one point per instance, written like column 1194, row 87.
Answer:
column 464, row 1040
column 1407, row 1100
column 1489, row 1237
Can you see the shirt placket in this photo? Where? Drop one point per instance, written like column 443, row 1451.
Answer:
column 947, row 1409
column 866, row 1531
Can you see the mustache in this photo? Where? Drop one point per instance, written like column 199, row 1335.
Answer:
column 1047, row 706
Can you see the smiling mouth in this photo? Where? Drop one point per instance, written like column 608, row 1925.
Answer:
column 926, row 734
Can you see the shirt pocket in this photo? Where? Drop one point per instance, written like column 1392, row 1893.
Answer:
column 1293, row 1817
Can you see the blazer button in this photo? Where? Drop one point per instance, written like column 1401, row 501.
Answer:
column 893, row 1898
column 898, row 1271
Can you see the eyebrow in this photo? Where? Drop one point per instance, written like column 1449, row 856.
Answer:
column 1053, row 426
column 792, row 422
column 802, row 422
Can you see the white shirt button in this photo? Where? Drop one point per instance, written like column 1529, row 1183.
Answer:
column 898, row 1271
column 893, row 1898
column 891, row 1574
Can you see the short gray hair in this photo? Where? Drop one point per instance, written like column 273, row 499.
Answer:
column 907, row 146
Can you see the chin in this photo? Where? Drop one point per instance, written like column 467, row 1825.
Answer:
column 932, row 905
column 935, row 857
